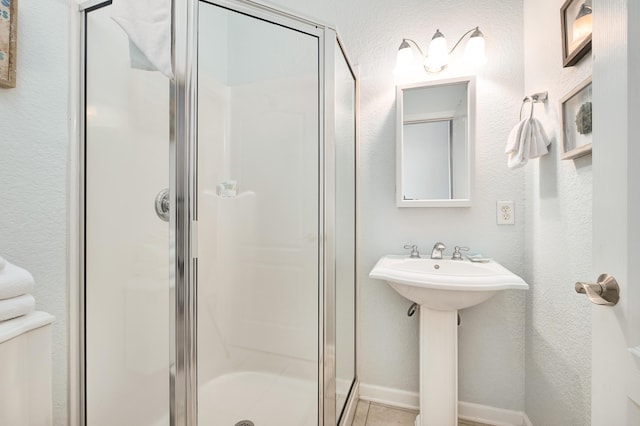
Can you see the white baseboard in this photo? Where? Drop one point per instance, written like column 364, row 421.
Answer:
column 491, row 415
column 389, row 396
column 466, row 410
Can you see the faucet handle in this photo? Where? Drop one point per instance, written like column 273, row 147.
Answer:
column 414, row 250
column 456, row 252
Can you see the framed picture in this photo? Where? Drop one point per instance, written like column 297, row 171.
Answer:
column 576, row 121
column 576, row 18
column 8, row 36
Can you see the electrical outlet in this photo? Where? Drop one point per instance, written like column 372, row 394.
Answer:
column 505, row 214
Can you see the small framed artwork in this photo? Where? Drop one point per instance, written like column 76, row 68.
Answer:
column 576, row 18
column 8, row 36
column 577, row 121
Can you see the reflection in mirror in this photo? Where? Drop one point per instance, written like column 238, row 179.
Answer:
column 435, row 143
column 426, row 157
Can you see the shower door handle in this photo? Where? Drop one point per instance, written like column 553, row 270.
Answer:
column 162, row 204
column 604, row 292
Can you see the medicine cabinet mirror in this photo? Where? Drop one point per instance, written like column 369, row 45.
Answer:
column 434, row 143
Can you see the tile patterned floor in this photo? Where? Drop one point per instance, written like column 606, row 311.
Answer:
column 372, row 414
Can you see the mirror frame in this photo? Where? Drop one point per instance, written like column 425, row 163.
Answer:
column 471, row 129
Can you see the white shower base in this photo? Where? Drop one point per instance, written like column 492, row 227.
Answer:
column 263, row 398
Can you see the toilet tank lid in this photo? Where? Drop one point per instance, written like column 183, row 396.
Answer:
column 17, row 326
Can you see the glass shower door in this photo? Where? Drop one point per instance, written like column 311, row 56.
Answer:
column 126, row 248
column 258, row 220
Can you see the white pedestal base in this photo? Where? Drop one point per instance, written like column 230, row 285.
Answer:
column 438, row 368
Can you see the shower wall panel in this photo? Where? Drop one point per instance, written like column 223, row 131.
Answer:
column 214, row 308
column 276, row 159
column 258, row 215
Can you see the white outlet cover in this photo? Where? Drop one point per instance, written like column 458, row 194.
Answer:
column 505, row 213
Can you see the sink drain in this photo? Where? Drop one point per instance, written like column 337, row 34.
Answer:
column 244, row 423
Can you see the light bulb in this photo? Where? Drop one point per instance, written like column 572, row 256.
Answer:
column 474, row 51
column 404, row 60
column 438, row 56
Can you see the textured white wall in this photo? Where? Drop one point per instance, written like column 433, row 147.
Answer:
column 33, row 167
column 491, row 340
column 492, row 334
column 558, row 240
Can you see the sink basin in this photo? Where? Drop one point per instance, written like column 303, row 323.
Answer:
column 445, row 284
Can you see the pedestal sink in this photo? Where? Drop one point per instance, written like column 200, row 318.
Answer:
column 441, row 287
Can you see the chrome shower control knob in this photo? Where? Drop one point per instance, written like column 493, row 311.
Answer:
column 162, row 204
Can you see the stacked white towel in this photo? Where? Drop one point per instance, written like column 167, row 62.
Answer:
column 527, row 140
column 16, row 284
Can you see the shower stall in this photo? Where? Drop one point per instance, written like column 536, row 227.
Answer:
column 218, row 222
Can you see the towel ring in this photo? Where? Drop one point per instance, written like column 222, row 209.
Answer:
column 535, row 98
column 524, row 101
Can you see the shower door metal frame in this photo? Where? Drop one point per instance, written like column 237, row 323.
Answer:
column 183, row 219
column 183, row 200
column 345, row 417
column 326, row 225
column 182, row 375
column 327, row 318
column 81, row 406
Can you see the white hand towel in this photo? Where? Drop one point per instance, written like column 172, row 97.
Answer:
column 516, row 145
column 14, row 281
column 526, row 140
column 3, row 263
column 148, row 25
column 539, row 140
column 513, row 142
column 17, row 306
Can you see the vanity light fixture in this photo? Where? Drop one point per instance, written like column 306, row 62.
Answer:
column 437, row 58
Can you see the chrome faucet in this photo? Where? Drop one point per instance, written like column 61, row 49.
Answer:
column 438, row 248
column 414, row 251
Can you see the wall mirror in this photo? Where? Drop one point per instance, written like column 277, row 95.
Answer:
column 434, row 143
